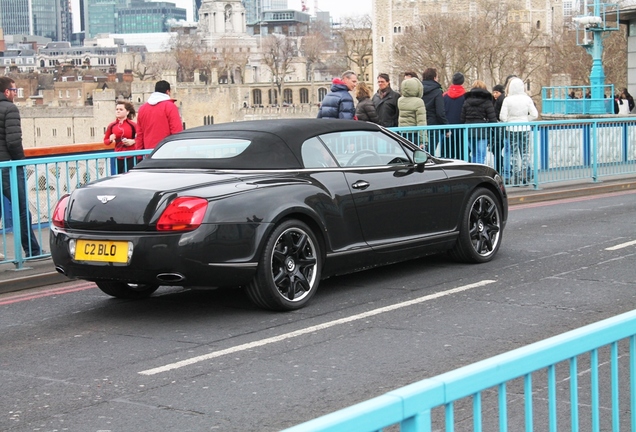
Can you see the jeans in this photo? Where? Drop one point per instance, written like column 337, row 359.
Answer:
column 519, row 151
column 478, row 148
column 27, row 236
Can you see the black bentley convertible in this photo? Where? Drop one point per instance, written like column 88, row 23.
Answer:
column 274, row 207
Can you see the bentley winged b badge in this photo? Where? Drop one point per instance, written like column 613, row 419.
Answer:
column 105, row 198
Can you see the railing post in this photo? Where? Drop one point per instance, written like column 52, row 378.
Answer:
column 15, row 214
column 535, row 151
column 594, row 151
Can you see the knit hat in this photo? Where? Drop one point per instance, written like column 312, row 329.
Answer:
column 458, row 78
column 499, row 88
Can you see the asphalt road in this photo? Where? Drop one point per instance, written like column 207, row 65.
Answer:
column 73, row 359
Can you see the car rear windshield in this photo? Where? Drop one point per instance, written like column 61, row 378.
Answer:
column 202, row 148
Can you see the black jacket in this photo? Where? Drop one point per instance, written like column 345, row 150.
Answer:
column 10, row 131
column 386, row 107
column 434, row 102
column 478, row 107
column 365, row 111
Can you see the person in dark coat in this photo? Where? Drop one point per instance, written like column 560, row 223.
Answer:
column 498, row 144
column 478, row 108
column 385, row 102
column 365, row 110
column 453, row 102
column 434, row 102
column 11, row 149
column 338, row 103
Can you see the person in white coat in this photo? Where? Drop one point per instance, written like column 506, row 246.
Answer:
column 518, row 107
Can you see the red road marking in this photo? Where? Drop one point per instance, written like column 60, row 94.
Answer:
column 47, row 293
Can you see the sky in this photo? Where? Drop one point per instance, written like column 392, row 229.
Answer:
column 338, row 8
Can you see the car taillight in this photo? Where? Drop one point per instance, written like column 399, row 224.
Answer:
column 183, row 214
column 60, row 211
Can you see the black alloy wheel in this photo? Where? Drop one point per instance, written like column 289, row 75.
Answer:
column 480, row 231
column 289, row 269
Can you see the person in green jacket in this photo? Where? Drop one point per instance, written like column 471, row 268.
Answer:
column 411, row 108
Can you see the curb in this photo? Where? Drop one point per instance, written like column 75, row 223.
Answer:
column 31, row 281
column 534, row 196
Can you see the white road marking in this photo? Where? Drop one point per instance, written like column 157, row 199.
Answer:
column 311, row 329
column 621, row 246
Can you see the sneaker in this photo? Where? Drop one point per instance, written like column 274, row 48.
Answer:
column 1, row 256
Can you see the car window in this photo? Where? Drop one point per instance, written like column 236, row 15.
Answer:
column 365, row 148
column 201, row 148
column 316, row 155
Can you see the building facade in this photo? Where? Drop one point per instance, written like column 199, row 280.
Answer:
column 47, row 18
column 545, row 15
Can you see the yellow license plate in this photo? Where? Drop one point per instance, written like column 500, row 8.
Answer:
column 102, row 250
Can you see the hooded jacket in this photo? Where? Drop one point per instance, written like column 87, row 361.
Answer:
column 156, row 119
column 518, row 106
column 412, row 111
column 338, row 103
column 10, row 131
column 453, row 102
column 434, row 102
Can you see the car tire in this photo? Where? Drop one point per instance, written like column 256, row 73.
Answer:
column 127, row 291
column 289, row 268
column 480, row 230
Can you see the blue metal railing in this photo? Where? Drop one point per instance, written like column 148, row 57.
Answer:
column 570, row 403
column 575, row 100
column 46, row 180
column 548, row 151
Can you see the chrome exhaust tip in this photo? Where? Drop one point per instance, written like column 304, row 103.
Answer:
column 170, row 277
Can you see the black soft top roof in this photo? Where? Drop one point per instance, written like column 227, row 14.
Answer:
column 275, row 143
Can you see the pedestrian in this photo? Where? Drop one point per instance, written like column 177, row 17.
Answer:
column 624, row 105
column 498, row 144
column 10, row 150
column 630, row 100
column 453, row 102
column 478, row 108
column 385, row 101
column 365, row 110
column 122, row 133
column 411, row 109
column 434, row 103
column 410, row 74
column 157, row 118
column 338, row 103
column 518, row 107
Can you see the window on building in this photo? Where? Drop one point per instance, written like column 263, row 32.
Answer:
column 273, row 96
column 38, row 132
column 20, row 92
column 60, row 94
column 538, row 25
column 92, row 132
column 304, row 96
column 288, row 96
column 54, row 132
column 257, row 97
column 69, row 131
column 68, row 94
column 322, row 92
column 79, row 93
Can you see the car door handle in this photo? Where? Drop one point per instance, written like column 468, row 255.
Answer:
column 360, row 184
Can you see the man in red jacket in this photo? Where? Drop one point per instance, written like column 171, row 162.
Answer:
column 157, row 118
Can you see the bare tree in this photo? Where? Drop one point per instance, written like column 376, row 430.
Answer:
column 233, row 58
column 187, row 50
column 355, row 43
column 278, row 55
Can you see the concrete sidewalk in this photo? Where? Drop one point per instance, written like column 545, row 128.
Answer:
column 41, row 273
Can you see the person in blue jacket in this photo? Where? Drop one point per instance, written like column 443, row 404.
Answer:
column 338, row 103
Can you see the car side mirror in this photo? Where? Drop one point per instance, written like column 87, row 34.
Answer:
column 420, row 157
